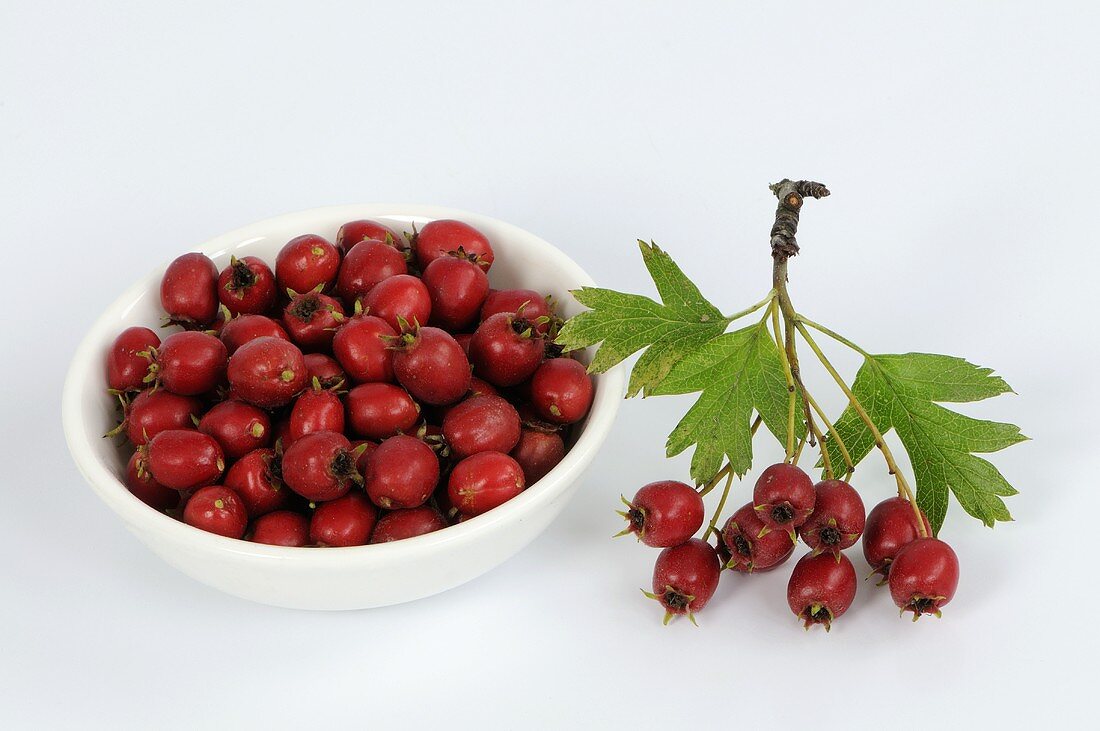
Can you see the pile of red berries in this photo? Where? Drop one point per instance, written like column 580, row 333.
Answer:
column 380, row 379
column 829, row 517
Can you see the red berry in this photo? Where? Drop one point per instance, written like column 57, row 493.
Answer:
column 352, row 232
column 439, row 238
column 431, row 366
column 463, row 340
column 400, row 298
column 457, row 287
column 537, row 453
column 157, row 410
column 380, row 410
column 255, row 478
column 267, row 372
column 821, row 588
column 401, row 472
column 838, row 518
column 561, row 391
column 664, row 513
column 128, row 361
column 527, row 303
column 783, row 497
column 401, row 524
column 325, row 369
column 305, row 263
column 365, row 265
column 347, row 521
column 316, row 410
column 190, row 363
column 479, row 387
column 362, row 347
column 183, row 459
column 752, row 548
column 140, row 482
column 320, row 466
column 189, row 291
column 484, row 481
column 238, row 427
column 311, row 320
column 924, row 576
column 281, row 528
column 481, row 424
column 247, row 328
column 247, row 286
column 217, row 510
column 505, row 350
column 685, row 577
column 890, row 525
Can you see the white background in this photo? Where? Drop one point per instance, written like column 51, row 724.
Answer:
column 961, row 147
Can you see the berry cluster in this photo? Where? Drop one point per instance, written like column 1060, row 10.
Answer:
column 380, row 378
column 829, row 517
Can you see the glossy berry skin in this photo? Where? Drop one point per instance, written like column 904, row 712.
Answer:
column 316, row 410
column 664, row 513
column 188, row 291
column 247, row 286
column 218, row 510
column 254, row 478
column 401, row 472
column 924, row 576
column 154, row 411
column 365, row 265
column 352, row 232
column 305, row 263
column 183, row 459
column 561, row 391
column 821, row 588
column 538, row 452
column 320, row 466
column 239, row 427
column 362, row 347
column 246, row 328
column 890, row 525
column 838, row 518
column 749, row 551
column 527, row 303
column 281, row 528
column 439, row 238
column 347, row 521
column 311, row 320
column 267, row 372
column 463, row 340
column 484, row 481
column 431, row 366
column 685, row 577
column 783, row 496
column 481, row 424
column 505, row 351
column 457, row 287
column 139, row 481
column 126, row 369
column 190, row 363
column 380, row 410
column 325, row 369
column 398, row 525
column 399, row 298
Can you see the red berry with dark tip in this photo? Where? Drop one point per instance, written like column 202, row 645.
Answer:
column 352, row 232
column 140, row 482
column 398, row 525
column 316, row 410
column 311, row 320
column 457, row 287
column 238, row 427
column 267, row 372
column 190, row 363
column 305, row 263
column 380, row 410
column 247, row 286
column 890, row 525
column 664, row 513
column 505, row 350
column 325, row 369
column 685, row 577
column 783, row 496
column 157, row 410
column 821, row 588
column 128, row 360
column 751, row 552
column 401, row 472
column 320, row 466
column 481, row 424
column 538, row 452
column 183, row 459
column 431, row 366
column 924, row 576
column 362, row 347
column 838, row 518
column 484, row 481
column 561, row 391
column 347, row 521
column 365, row 265
column 189, row 291
column 255, row 478
column 439, row 238
column 281, row 528
column 217, row 510
column 527, row 303
column 246, row 328
column 397, row 299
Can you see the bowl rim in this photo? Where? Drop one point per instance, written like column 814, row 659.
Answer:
column 110, row 488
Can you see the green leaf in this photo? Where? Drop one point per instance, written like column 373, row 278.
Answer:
column 623, row 324
column 736, row 373
column 901, row 392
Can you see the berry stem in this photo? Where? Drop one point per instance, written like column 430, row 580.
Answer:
column 721, row 506
column 849, row 465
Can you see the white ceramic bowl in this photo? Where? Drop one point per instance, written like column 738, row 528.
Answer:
column 334, row 578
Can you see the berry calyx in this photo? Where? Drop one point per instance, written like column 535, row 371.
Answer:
column 752, row 548
column 247, row 286
column 127, row 364
column 320, row 466
column 684, row 578
column 783, row 497
column 924, row 576
column 311, row 320
column 665, row 513
column 838, row 518
column 505, row 350
column 821, row 588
